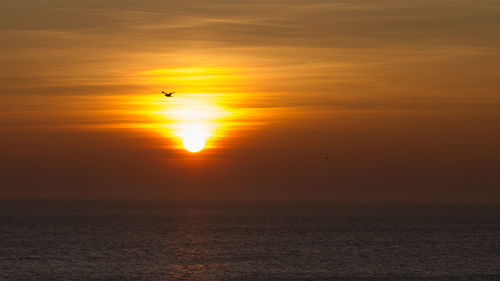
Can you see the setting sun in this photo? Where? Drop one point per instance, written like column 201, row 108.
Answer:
column 190, row 121
column 194, row 137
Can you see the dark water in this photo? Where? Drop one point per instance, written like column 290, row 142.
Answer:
column 166, row 241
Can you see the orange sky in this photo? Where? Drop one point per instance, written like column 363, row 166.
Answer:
column 402, row 96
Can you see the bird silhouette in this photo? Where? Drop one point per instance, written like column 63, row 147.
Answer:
column 168, row 95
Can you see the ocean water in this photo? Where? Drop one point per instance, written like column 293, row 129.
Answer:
column 247, row 241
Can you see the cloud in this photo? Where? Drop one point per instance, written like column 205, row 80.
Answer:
column 390, row 86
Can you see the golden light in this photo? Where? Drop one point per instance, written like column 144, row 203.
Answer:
column 197, row 115
column 195, row 79
column 192, row 120
column 194, row 137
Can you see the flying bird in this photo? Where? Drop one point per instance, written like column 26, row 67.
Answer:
column 168, row 94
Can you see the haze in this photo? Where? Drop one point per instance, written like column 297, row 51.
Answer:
column 401, row 96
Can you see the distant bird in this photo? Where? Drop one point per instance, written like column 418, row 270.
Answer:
column 326, row 158
column 168, row 95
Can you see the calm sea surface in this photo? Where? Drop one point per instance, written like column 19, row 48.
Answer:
column 247, row 241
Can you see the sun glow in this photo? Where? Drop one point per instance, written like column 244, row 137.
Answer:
column 197, row 115
column 195, row 79
column 194, row 137
column 192, row 121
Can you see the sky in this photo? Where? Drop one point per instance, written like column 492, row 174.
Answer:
column 344, row 101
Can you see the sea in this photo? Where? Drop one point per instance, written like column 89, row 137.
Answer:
column 160, row 240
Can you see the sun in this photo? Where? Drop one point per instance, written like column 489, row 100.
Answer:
column 191, row 120
column 194, row 137
column 193, row 143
